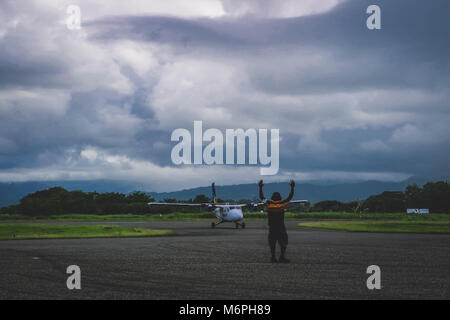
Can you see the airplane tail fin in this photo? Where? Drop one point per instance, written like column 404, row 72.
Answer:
column 213, row 186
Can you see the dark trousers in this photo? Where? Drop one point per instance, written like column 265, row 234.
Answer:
column 278, row 234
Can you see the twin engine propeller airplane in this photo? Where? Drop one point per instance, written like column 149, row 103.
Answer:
column 224, row 212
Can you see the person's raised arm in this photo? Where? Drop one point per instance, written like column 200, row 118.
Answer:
column 261, row 194
column 291, row 194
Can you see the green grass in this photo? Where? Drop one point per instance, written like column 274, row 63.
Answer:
column 382, row 226
column 368, row 216
column 346, row 216
column 23, row 231
column 208, row 216
column 106, row 217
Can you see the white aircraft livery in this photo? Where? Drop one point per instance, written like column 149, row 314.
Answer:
column 224, row 212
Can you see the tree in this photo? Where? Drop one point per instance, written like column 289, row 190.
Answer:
column 45, row 202
column 138, row 196
column 436, row 196
column 201, row 198
column 328, row 205
column 388, row 201
column 413, row 196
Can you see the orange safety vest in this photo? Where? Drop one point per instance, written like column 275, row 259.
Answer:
column 276, row 206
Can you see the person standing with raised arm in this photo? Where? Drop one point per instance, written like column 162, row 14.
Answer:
column 275, row 215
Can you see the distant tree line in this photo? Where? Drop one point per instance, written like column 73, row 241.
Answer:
column 334, row 206
column 58, row 200
column 433, row 195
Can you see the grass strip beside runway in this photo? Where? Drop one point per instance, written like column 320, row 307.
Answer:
column 21, row 231
column 209, row 216
column 382, row 226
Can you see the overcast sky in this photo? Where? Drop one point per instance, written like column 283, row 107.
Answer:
column 101, row 102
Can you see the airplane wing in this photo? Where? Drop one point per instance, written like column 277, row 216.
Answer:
column 230, row 205
column 178, row 204
column 257, row 204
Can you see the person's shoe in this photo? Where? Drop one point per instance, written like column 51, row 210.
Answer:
column 283, row 260
column 273, row 260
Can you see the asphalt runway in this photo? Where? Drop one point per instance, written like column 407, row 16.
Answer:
column 228, row 263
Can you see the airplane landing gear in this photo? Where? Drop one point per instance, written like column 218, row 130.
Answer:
column 242, row 224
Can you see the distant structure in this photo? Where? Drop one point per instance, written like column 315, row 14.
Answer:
column 418, row 211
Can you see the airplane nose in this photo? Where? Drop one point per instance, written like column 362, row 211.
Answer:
column 237, row 214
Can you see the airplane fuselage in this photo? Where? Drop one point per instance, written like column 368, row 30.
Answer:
column 229, row 213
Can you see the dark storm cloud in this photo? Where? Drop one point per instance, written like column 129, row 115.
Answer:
column 180, row 32
column 412, row 24
column 411, row 50
column 346, row 99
